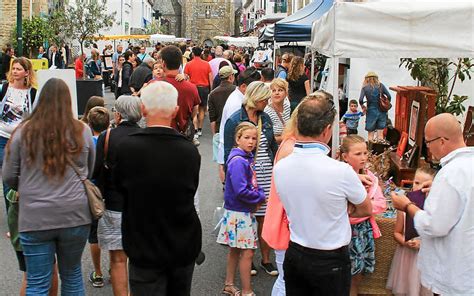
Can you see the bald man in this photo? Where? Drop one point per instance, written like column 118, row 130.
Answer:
column 446, row 225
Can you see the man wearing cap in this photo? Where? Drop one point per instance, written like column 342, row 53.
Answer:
column 217, row 100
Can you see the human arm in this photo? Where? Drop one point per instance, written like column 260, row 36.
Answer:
column 443, row 209
column 91, row 151
column 211, row 79
column 356, row 194
column 229, row 132
column 212, row 112
column 307, row 87
column 99, row 157
column 12, row 161
column 398, row 232
column 126, row 73
column 180, row 77
column 361, row 100
column 237, row 173
column 386, row 92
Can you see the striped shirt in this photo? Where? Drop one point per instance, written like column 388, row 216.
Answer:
column 277, row 117
column 263, row 170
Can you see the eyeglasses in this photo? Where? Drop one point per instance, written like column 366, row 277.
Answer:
column 428, row 142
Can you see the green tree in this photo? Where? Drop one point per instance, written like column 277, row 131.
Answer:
column 35, row 32
column 436, row 73
column 84, row 20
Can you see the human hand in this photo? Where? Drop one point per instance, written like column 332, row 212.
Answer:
column 366, row 181
column 399, row 201
column 413, row 244
column 180, row 77
column 364, row 109
column 426, row 186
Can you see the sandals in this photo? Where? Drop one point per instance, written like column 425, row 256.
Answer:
column 231, row 289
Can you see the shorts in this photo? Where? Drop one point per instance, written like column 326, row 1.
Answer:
column 375, row 119
column 215, row 147
column 203, row 92
column 109, row 231
column 93, row 233
column 362, row 248
column 21, row 260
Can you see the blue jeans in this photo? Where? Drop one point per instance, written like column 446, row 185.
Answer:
column 40, row 247
column 3, row 143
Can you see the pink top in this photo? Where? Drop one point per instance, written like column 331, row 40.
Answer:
column 379, row 205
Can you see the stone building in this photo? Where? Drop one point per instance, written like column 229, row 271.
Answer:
column 204, row 19
column 171, row 18
column 8, row 20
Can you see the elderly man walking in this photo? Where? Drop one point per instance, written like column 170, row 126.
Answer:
column 446, row 224
column 315, row 191
column 158, row 174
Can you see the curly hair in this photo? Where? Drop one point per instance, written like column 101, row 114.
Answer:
column 295, row 70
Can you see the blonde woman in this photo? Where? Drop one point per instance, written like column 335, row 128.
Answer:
column 256, row 99
column 376, row 120
column 278, row 107
column 298, row 82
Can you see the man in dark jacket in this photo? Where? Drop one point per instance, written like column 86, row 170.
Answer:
column 127, row 70
column 142, row 74
column 157, row 172
column 7, row 56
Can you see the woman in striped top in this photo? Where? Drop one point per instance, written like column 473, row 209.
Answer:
column 279, row 107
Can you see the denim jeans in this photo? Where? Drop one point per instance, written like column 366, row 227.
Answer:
column 40, row 247
column 317, row 272
column 3, row 144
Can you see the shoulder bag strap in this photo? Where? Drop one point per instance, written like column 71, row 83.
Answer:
column 75, row 168
column 259, row 132
column 4, row 96
column 106, row 145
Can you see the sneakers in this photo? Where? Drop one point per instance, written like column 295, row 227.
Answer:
column 269, row 268
column 199, row 132
column 97, row 281
column 253, row 271
column 196, row 142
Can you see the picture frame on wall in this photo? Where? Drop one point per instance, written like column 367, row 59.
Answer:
column 413, row 127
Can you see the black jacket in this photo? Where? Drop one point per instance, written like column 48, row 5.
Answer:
column 103, row 176
column 140, row 76
column 157, row 172
column 127, row 70
column 58, row 60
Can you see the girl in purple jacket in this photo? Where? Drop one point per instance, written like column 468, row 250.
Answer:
column 241, row 198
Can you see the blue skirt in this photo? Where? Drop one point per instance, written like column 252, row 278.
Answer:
column 362, row 248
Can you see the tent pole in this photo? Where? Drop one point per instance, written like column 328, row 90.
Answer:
column 335, row 129
column 274, row 55
column 312, row 70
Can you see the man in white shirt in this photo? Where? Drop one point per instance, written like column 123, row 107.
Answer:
column 315, row 191
column 234, row 103
column 215, row 62
column 446, row 225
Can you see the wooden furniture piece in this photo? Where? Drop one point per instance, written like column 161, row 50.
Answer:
column 400, row 169
column 384, row 250
column 468, row 131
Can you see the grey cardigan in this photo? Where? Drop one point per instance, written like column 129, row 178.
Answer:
column 48, row 204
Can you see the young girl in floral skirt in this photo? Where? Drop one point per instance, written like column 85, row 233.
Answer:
column 241, row 198
column 364, row 230
column 404, row 277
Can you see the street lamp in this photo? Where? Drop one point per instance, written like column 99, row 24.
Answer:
column 19, row 27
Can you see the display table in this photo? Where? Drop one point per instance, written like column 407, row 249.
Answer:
column 374, row 284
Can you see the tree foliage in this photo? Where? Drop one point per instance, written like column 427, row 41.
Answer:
column 435, row 73
column 35, row 32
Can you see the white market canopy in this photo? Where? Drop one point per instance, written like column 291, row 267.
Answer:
column 251, row 41
column 396, row 29
column 162, row 38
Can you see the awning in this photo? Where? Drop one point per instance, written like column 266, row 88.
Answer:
column 121, row 37
column 297, row 27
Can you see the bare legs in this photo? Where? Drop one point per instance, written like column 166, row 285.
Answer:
column 200, row 116
column 374, row 135
column 95, row 254
column 243, row 257
column 118, row 272
column 264, row 247
column 356, row 279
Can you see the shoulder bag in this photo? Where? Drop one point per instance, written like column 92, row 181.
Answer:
column 94, row 196
column 384, row 102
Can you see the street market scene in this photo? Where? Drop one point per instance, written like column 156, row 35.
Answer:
column 237, row 147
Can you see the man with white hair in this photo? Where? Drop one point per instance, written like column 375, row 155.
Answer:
column 158, row 174
column 142, row 74
column 215, row 62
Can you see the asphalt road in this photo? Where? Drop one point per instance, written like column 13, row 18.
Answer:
column 208, row 278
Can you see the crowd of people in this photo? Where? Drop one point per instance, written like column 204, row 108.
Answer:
column 282, row 191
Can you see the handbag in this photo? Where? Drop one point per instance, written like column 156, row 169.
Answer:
column 94, row 196
column 384, row 102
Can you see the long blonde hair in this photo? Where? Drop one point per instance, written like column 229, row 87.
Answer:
column 256, row 91
column 30, row 80
column 291, row 127
column 295, row 70
column 373, row 81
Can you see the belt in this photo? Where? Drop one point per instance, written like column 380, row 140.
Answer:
column 341, row 250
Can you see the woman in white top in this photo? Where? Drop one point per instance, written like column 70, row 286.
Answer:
column 279, row 107
column 16, row 102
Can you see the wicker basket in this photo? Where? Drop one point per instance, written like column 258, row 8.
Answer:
column 374, row 284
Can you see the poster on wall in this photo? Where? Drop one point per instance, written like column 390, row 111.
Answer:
column 413, row 128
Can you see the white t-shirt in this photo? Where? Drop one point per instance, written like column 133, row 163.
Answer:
column 314, row 190
column 233, row 104
column 15, row 107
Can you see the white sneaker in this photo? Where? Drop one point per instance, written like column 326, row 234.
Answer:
column 196, row 142
column 199, row 133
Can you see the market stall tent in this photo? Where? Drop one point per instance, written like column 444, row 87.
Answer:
column 297, row 27
column 162, row 38
column 393, row 30
column 251, row 41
